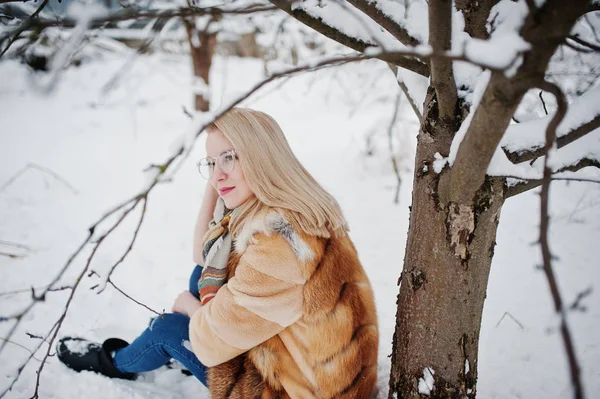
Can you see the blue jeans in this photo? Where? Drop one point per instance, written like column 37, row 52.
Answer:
column 166, row 338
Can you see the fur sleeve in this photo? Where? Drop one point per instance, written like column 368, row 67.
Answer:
column 259, row 301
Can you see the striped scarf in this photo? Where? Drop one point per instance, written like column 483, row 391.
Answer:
column 217, row 245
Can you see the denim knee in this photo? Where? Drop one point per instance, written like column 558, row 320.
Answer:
column 169, row 325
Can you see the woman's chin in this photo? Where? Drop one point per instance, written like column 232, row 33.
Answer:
column 230, row 203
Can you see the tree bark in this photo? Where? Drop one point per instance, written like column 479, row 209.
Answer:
column 202, row 49
column 446, row 268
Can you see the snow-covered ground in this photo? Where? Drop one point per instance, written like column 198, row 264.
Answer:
column 97, row 138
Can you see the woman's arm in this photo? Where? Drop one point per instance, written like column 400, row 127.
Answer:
column 205, row 215
column 262, row 299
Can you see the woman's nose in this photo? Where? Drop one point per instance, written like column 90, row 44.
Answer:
column 218, row 174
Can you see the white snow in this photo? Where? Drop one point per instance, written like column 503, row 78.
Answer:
column 532, row 134
column 187, row 345
column 350, row 21
column 426, row 382
column 80, row 347
column 439, row 162
column 485, row 52
column 101, row 141
column 476, row 96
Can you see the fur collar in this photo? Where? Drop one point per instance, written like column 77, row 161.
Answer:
column 273, row 221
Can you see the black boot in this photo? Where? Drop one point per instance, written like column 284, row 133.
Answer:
column 80, row 354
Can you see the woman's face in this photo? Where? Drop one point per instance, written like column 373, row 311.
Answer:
column 232, row 186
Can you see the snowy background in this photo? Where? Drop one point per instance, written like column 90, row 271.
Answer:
column 98, row 139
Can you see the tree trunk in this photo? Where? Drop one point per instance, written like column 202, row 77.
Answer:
column 444, row 279
column 202, row 49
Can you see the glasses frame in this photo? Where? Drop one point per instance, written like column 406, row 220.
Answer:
column 215, row 162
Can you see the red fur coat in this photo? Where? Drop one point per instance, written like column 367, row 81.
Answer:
column 296, row 318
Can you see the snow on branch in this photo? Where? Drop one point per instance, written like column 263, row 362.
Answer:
column 525, row 141
column 356, row 25
column 580, row 154
column 502, row 96
column 135, row 13
column 386, row 21
column 100, row 19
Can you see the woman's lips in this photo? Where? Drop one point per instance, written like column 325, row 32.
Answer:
column 225, row 190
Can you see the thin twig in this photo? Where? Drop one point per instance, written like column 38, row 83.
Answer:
column 24, row 290
column 22, row 367
column 391, row 148
column 138, row 302
column 24, row 26
column 575, row 179
column 75, row 286
column 14, row 244
column 576, row 305
column 135, row 234
column 545, row 246
column 43, row 169
column 18, row 317
column 513, row 319
column 21, row 346
column 543, row 102
column 578, row 40
column 12, row 256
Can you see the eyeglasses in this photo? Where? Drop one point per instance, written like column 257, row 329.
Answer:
column 225, row 160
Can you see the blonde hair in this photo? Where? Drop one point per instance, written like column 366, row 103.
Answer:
column 275, row 176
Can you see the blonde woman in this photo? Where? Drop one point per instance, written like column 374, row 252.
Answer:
column 282, row 307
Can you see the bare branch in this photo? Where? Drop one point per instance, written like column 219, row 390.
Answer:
column 21, row 346
column 43, row 169
column 24, row 26
column 24, row 290
column 476, row 14
column 356, row 44
column 138, row 302
column 128, row 250
column 442, row 76
column 18, row 317
column 75, row 286
column 503, row 95
column 576, row 305
column 31, row 356
column 127, row 14
column 404, row 89
column 399, row 32
column 391, row 148
column 543, row 102
column 512, row 318
column 536, row 152
column 530, row 184
column 591, row 46
column 14, row 244
column 545, row 246
column 12, row 256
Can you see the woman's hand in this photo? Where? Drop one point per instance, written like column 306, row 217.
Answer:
column 186, row 304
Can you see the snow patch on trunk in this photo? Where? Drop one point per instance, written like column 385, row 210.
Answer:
column 426, row 381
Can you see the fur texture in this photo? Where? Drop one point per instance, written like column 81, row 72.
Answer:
column 315, row 334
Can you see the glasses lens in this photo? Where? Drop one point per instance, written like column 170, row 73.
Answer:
column 206, row 167
column 226, row 161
